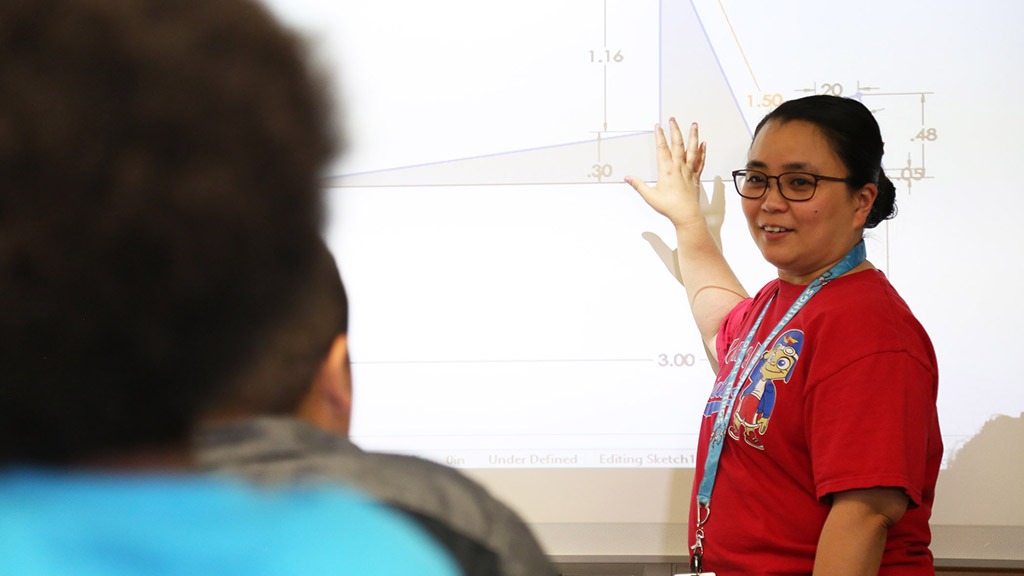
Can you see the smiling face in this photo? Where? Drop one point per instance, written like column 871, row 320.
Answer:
column 803, row 239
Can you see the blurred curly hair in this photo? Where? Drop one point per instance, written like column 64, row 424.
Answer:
column 160, row 165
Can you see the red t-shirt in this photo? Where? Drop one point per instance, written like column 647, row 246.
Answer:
column 843, row 398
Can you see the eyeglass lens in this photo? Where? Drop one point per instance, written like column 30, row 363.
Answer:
column 792, row 185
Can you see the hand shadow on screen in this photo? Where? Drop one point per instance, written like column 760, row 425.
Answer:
column 982, row 483
column 714, row 215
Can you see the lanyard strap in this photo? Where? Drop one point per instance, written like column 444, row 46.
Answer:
column 852, row 259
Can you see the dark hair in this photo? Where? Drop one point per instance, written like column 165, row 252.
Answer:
column 159, row 202
column 287, row 360
column 853, row 132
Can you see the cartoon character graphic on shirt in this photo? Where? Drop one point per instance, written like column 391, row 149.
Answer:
column 757, row 399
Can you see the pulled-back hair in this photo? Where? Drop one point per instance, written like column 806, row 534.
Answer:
column 853, row 133
column 159, row 203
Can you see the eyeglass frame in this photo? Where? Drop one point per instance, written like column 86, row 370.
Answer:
column 778, row 183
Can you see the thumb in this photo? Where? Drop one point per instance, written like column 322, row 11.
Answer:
column 666, row 254
column 714, row 213
column 638, row 184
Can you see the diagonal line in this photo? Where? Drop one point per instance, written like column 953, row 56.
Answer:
column 742, row 53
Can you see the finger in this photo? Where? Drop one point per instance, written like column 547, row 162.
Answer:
column 694, row 137
column 678, row 150
column 718, row 196
column 702, row 155
column 694, row 150
column 662, row 151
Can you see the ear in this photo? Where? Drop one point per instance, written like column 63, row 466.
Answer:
column 864, row 199
column 338, row 373
column 328, row 405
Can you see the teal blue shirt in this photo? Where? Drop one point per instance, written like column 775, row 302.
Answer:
column 162, row 525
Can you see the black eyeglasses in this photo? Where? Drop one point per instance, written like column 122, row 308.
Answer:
column 794, row 186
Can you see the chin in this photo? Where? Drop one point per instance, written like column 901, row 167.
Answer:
column 784, row 267
column 774, row 255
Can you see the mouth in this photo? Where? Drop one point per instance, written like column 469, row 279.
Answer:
column 775, row 229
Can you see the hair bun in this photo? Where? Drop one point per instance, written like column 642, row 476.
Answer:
column 884, row 207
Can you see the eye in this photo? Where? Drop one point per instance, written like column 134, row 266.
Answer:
column 756, row 178
column 783, row 363
column 800, row 181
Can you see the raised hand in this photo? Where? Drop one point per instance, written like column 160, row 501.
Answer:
column 712, row 288
column 677, row 193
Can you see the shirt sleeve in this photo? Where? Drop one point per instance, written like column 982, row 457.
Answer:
column 868, row 425
column 730, row 328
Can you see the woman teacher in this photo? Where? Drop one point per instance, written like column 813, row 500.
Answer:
column 819, row 444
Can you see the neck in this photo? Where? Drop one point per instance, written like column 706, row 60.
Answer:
column 174, row 458
column 851, row 262
column 807, row 279
column 323, row 419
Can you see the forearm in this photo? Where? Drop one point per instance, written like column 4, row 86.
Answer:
column 849, row 549
column 712, row 287
column 853, row 539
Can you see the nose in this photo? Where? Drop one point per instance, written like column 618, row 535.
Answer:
column 773, row 200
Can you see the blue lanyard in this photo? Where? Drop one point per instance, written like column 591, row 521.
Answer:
column 852, row 259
